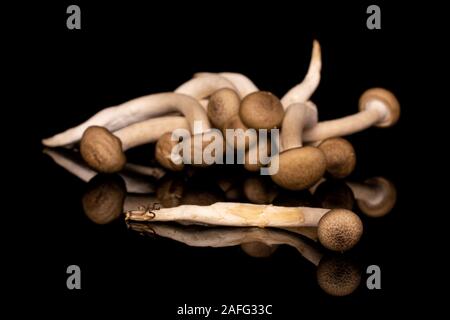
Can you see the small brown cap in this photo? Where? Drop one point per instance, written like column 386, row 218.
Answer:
column 102, row 150
column 340, row 230
column 338, row 276
column 387, row 201
column 340, row 155
column 223, row 104
column 388, row 99
column 299, row 168
column 261, row 110
column 163, row 150
column 103, row 201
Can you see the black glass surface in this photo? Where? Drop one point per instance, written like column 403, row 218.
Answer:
column 128, row 50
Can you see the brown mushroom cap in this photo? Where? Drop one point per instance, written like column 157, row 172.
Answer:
column 103, row 201
column 261, row 110
column 340, row 156
column 338, row 276
column 340, row 230
column 163, row 150
column 387, row 202
column 222, row 105
column 388, row 99
column 258, row 249
column 299, row 168
column 102, row 150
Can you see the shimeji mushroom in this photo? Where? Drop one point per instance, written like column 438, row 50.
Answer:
column 338, row 229
column 375, row 197
column 105, row 151
column 242, row 83
column 135, row 182
column 378, row 107
column 223, row 111
column 223, row 105
column 335, row 275
column 298, row 167
column 304, row 90
column 136, row 110
column 340, row 156
column 261, row 110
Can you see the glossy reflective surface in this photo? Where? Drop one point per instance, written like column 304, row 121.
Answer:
column 122, row 54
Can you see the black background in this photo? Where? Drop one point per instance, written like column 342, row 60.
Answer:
column 127, row 50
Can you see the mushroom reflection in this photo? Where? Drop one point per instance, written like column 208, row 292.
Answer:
column 337, row 276
column 106, row 197
column 376, row 197
column 137, row 178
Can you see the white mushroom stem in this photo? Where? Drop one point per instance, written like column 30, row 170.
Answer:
column 136, row 110
column 304, row 90
column 228, row 237
column 203, row 87
column 242, row 83
column 298, row 116
column 347, row 125
column 235, row 214
column 149, row 130
column 204, row 103
column 79, row 169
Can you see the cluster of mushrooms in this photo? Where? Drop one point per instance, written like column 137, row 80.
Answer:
column 308, row 150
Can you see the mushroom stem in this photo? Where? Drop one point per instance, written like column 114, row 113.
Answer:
column 378, row 107
column 235, row 214
column 242, row 83
column 298, row 167
column 304, row 90
column 149, row 130
column 298, row 116
column 344, row 126
column 117, row 117
column 203, row 87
